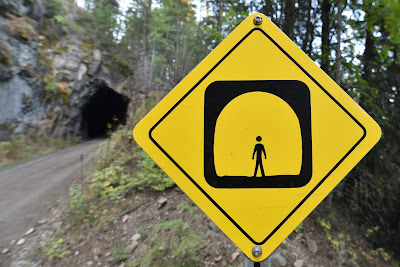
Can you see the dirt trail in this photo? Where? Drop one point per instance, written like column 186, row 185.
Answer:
column 28, row 189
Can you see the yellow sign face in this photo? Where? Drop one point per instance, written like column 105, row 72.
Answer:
column 257, row 135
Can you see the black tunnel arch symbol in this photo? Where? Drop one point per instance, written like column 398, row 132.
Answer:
column 103, row 111
column 219, row 94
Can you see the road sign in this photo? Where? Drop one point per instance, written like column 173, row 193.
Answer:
column 257, row 135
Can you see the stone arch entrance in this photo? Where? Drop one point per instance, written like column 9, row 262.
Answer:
column 104, row 111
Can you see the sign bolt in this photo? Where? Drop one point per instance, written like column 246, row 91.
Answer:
column 257, row 20
column 257, row 251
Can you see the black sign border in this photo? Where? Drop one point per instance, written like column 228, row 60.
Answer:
column 311, row 192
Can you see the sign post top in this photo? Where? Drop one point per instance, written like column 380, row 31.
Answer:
column 257, row 135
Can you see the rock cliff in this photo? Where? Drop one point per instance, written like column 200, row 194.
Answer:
column 52, row 80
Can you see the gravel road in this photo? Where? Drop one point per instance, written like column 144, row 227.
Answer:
column 28, row 189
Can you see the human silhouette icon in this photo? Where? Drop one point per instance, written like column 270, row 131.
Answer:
column 258, row 150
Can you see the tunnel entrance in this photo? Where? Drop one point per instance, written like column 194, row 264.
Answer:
column 105, row 108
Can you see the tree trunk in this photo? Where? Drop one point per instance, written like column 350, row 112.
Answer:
column 306, row 47
column 177, row 61
column 339, row 40
column 325, row 46
column 288, row 25
column 368, row 56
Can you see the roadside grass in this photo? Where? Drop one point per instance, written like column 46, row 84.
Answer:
column 173, row 243
column 16, row 150
column 54, row 248
column 109, row 191
column 118, row 172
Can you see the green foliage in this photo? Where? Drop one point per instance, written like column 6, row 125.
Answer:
column 299, row 228
column 326, row 225
column 101, row 22
column 66, row 25
column 120, row 168
column 150, row 175
column 4, row 56
column 7, row 150
column 19, row 148
column 173, row 237
column 111, row 219
column 80, row 207
column 120, row 253
column 110, row 183
column 22, row 30
column 381, row 252
column 54, row 248
column 185, row 207
column 341, row 242
column 53, row 8
column 183, row 240
column 51, row 84
column 56, row 89
column 371, row 231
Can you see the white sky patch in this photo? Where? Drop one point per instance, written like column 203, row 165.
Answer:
column 124, row 5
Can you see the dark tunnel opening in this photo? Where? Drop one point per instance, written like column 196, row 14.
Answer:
column 105, row 110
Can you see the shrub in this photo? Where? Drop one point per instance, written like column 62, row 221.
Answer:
column 54, row 248
column 120, row 253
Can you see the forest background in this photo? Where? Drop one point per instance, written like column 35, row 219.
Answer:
column 357, row 43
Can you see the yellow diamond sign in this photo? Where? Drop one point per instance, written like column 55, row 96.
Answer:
column 257, row 135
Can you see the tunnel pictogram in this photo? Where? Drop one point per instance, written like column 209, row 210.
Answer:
column 257, row 134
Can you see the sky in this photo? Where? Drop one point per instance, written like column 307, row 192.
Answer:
column 124, row 5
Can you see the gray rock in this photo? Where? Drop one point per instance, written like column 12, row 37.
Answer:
column 162, row 202
column 43, row 221
column 23, row 263
column 5, row 251
column 21, row 242
column 15, row 7
column 46, row 234
column 235, row 255
column 136, row 237
column 56, row 225
column 7, row 61
column 59, row 61
column 125, row 218
column 133, row 246
column 30, row 231
column 23, row 105
column 96, row 55
column 81, row 71
column 298, row 263
column 312, row 245
column 277, row 259
column 36, row 10
column 218, row 258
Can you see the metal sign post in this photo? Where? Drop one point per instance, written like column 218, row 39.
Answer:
column 249, row 263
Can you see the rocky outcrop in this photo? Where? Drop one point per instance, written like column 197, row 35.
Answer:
column 18, row 62
column 48, row 78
